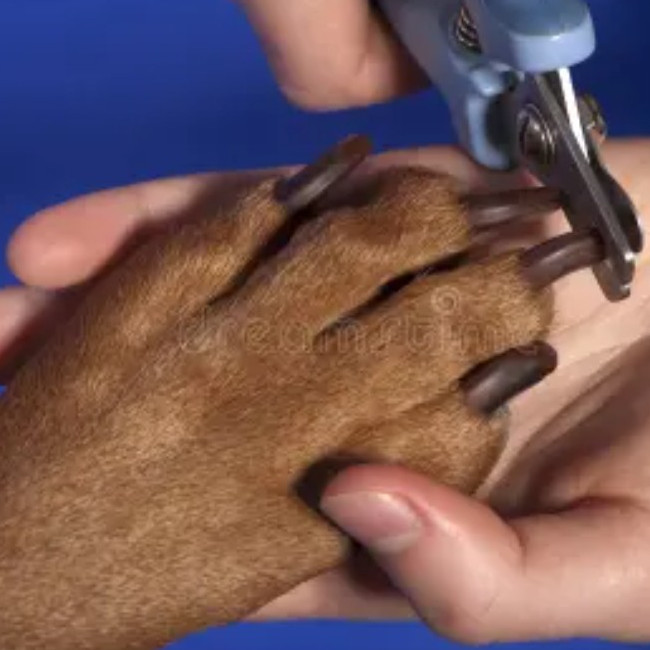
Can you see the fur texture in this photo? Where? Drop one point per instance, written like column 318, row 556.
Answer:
column 152, row 450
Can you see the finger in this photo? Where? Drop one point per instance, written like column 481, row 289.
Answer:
column 476, row 579
column 332, row 54
column 70, row 243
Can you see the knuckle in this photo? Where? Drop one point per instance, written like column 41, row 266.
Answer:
column 465, row 631
column 309, row 99
column 345, row 87
column 459, row 624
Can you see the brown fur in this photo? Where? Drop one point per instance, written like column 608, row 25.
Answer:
column 150, row 452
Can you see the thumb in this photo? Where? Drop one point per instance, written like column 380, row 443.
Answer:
column 477, row 579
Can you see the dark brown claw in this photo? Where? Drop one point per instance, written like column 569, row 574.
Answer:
column 310, row 184
column 543, row 264
column 492, row 385
column 486, row 211
column 548, row 262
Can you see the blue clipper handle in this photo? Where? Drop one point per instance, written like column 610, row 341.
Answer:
column 516, row 37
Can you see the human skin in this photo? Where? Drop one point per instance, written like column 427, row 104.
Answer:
column 560, row 533
column 367, row 65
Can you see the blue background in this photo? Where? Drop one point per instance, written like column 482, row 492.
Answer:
column 97, row 93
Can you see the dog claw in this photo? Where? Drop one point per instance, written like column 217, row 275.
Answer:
column 300, row 191
column 556, row 258
column 490, row 386
column 486, row 211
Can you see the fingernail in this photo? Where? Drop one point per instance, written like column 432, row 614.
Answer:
column 384, row 523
